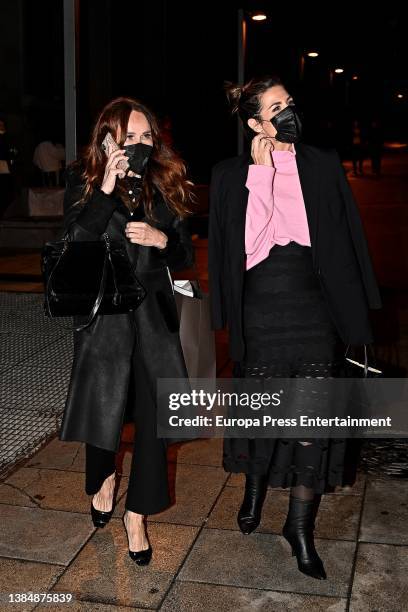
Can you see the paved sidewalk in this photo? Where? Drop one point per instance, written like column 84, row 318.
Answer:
column 35, row 365
column 200, row 561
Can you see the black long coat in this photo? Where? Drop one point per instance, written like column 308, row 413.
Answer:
column 96, row 404
column 339, row 248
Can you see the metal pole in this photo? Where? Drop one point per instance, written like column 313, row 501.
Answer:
column 241, row 70
column 302, row 67
column 70, row 12
column 346, row 92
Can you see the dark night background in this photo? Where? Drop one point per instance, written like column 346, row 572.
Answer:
column 176, row 56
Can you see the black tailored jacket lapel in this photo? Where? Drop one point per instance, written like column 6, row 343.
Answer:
column 339, row 248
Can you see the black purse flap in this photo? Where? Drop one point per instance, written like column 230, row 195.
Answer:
column 74, row 272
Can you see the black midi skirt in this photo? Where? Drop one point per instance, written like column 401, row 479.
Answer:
column 288, row 332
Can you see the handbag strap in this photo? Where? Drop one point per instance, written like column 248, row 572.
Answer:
column 116, row 295
column 365, row 359
column 101, row 291
column 198, row 292
column 198, row 289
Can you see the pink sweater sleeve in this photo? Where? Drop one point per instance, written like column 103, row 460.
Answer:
column 259, row 211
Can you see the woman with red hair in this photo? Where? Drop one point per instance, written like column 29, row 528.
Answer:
column 132, row 186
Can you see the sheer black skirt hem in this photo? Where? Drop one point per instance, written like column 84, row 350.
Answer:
column 289, row 332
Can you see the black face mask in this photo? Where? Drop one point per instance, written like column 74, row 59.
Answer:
column 138, row 156
column 288, row 125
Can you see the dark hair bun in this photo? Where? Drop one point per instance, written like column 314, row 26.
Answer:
column 233, row 92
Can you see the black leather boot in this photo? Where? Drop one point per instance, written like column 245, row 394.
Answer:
column 298, row 531
column 316, row 503
column 249, row 514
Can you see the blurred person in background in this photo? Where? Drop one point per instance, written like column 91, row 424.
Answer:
column 6, row 178
column 357, row 148
column 376, row 146
column 49, row 156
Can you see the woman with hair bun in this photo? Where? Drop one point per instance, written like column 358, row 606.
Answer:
column 291, row 275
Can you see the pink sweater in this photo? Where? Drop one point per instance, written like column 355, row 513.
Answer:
column 276, row 211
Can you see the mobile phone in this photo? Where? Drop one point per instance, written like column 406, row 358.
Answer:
column 109, row 145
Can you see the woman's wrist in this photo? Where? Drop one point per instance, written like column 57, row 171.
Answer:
column 163, row 242
column 101, row 189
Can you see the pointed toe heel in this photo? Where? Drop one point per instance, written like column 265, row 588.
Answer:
column 298, row 532
column 247, row 526
column 141, row 557
column 100, row 518
column 249, row 515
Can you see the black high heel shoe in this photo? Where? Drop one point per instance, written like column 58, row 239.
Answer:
column 141, row 557
column 249, row 515
column 101, row 518
column 298, row 531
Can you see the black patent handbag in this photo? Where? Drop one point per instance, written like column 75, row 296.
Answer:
column 86, row 278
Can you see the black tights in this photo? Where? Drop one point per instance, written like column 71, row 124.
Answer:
column 301, row 491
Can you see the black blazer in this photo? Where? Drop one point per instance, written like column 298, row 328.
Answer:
column 339, row 249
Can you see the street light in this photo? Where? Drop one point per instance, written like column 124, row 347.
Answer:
column 346, row 83
column 312, row 54
column 242, row 35
column 259, row 17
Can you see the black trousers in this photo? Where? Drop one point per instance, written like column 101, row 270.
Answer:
column 148, row 489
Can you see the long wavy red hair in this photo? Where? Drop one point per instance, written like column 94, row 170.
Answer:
column 165, row 171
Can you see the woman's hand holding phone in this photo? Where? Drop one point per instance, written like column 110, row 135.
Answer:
column 116, row 165
column 261, row 149
column 112, row 171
